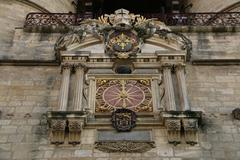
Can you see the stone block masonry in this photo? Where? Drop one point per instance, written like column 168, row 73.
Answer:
column 28, row 92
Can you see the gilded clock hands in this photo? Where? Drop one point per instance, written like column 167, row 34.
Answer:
column 123, row 94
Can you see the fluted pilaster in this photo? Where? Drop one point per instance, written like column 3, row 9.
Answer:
column 169, row 91
column 64, row 90
column 182, row 88
column 78, row 95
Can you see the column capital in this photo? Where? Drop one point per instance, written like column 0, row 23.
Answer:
column 65, row 66
column 179, row 66
column 77, row 66
column 167, row 66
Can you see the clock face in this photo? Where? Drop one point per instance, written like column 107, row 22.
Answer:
column 124, row 93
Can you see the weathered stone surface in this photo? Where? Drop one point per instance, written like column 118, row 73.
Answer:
column 124, row 136
column 83, row 153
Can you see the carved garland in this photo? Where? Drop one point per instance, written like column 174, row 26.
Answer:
column 124, row 146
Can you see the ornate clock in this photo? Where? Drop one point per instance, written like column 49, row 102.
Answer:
column 131, row 94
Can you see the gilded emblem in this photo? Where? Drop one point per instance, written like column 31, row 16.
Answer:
column 123, row 119
column 123, row 44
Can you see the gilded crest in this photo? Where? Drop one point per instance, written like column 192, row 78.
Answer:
column 123, row 44
column 123, row 120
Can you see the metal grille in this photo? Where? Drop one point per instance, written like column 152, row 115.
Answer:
column 187, row 19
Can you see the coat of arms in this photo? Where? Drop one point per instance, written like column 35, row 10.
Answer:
column 123, row 119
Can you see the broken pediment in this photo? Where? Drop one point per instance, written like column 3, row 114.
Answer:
column 122, row 35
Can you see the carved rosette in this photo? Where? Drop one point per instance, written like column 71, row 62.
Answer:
column 190, row 127
column 57, row 131
column 236, row 113
column 124, row 146
column 173, row 130
column 75, row 128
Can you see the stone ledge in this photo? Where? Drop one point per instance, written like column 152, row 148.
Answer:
column 205, row 29
column 181, row 114
column 215, row 61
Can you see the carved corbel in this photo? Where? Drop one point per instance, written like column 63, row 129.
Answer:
column 75, row 128
column 182, row 123
column 190, row 127
column 66, row 126
column 173, row 130
column 57, row 127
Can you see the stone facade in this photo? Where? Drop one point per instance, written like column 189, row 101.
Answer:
column 29, row 90
column 27, row 96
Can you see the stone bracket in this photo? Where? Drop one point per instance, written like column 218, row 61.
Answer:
column 182, row 123
column 63, row 124
column 173, row 130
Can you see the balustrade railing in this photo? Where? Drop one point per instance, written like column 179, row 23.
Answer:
column 185, row 19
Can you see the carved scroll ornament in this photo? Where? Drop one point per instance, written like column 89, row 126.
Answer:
column 124, row 146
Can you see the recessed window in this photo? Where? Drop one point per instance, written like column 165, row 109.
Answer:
column 123, row 69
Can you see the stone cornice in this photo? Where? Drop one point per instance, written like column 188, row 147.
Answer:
column 205, row 29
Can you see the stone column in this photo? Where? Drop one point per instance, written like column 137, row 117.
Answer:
column 78, row 95
column 63, row 96
column 169, row 91
column 182, row 88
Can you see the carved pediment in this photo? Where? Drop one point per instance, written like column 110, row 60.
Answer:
column 122, row 35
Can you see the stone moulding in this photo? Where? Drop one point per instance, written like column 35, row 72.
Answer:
column 124, row 146
column 64, row 124
column 182, row 123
